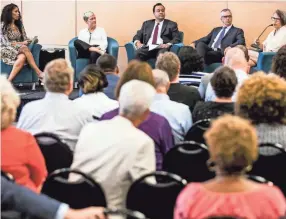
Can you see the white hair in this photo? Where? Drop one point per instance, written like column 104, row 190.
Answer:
column 161, row 78
column 87, row 14
column 234, row 57
column 135, row 98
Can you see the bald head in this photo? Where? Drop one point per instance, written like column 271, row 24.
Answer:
column 235, row 58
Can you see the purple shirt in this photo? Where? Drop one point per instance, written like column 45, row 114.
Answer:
column 157, row 128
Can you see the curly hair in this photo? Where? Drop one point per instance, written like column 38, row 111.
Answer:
column 170, row 63
column 190, row 60
column 224, row 82
column 279, row 62
column 232, row 144
column 262, row 99
column 135, row 70
column 6, row 18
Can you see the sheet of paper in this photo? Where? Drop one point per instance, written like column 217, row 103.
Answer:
column 153, row 46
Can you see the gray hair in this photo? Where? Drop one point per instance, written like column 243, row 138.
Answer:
column 135, row 98
column 234, row 57
column 86, row 15
column 161, row 78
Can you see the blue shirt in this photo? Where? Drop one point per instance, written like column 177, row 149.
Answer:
column 112, row 82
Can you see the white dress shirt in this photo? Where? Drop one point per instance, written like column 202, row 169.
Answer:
column 177, row 114
column 97, row 37
column 226, row 30
column 57, row 114
column 274, row 42
column 115, row 154
column 159, row 39
column 96, row 103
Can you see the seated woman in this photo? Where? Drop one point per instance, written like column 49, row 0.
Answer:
column 14, row 41
column 92, row 81
column 275, row 39
column 92, row 41
column 21, row 155
column 224, row 82
column 279, row 63
column 262, row 99
column 233, row 148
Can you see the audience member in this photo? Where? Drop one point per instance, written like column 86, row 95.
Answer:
column 159, row 31
column 55, row 113
column 108, row 65
column 212, row 46
column 223, row 82
column 92, row 41
column 92, row 81
column 14, row 42
column 233, row 148
column 20, row 153
column 115, row 152
column 191, row 61
column 262, row 99
column 20, row 199
column 178, row 114
column 170, row 63
column 279, row 62
column 156, row 126
column 275, row 39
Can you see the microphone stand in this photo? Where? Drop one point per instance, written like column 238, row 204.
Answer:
column 255, row 45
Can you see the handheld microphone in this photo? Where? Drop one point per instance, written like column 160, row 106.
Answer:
column 255, row 45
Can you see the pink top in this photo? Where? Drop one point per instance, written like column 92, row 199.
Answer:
column 196, row 202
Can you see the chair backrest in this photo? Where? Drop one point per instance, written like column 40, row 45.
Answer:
column 56, row 153
column 212, row 67
column 271, row 166
column 155, row 199
column 259, row 179
column 7, row 176
column 82, row 193
column 188, row 160
column 264, row 61
column 196, row 132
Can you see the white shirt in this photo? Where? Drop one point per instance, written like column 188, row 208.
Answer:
column 96, row 103
column 226, row 30
column 274, row 42
column 115, row 154
column 57, row 114
column 159, row 39
column 177, row 114
column 97, row 37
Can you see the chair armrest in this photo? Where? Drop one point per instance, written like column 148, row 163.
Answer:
column 72, row 52
column 176, row 47
column 264, row 61
column 113, row 47
column 130, row 50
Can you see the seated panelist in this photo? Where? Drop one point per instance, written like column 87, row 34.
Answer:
column 92, row 41
column 212, row 46
column 159, row 31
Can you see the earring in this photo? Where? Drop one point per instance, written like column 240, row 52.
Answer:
column 211, row 165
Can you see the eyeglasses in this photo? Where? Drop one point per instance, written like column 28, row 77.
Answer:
column 275, row 19
column 227, row 16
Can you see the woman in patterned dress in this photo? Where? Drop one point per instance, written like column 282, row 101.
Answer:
column 14, row 41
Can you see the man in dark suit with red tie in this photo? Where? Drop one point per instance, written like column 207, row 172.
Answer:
column 159, row 31
column 212, row 46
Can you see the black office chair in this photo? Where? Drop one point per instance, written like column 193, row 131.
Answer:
column 57, row 154
column 124, row 212
column 7, row 176
column 271, row 166
column 259, row 179
column 188, row 160
column 196, row 132
column 78, row 194
column 155, row 199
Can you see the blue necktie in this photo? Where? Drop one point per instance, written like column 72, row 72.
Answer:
column 217, row 43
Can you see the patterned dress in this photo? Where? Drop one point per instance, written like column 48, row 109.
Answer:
column 9, row 53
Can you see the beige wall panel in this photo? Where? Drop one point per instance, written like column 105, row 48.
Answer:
column 52, row 21
column 3, row 3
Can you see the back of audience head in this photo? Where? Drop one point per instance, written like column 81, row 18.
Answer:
column 235, row 58
column 245, row 50
column 135, row 70
column 162, row 82
column 279, row 62
column 9, row 102
column 170, row 63
column 232, row 145
column 107, row 63
column 190, row 60
column 262, row 99
column 224, row 82
column 59, row 76
column 92, row 79
column 135, row 99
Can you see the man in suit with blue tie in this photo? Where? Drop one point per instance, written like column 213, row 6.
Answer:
column 212, row 46
column 158, row 31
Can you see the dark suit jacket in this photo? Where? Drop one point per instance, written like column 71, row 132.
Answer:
column 21, row 199
column 234, row 37
column 169, row 33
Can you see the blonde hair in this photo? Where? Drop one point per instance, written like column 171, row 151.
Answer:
column 58, row 76
column 9, row 102
column 232, row 143
column 170, row 63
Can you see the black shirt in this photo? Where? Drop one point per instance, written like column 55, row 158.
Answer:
column 210, row 110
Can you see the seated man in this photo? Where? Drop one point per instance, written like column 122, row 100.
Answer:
column 158, row 31
column 212, row 46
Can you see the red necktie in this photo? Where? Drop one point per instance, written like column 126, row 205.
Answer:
column 155, row 35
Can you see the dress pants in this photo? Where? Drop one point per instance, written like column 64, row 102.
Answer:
column 210, row 56
column 143, row 53
column 83, row 51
